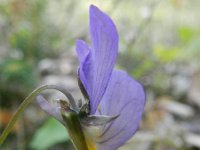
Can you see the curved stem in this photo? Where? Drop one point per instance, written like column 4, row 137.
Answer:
column 27, row 101
column 66, row 93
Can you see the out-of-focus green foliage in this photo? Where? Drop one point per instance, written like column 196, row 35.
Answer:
column 186, row 34
column 28, row 40
column 27, row 31
column 166, row 55
column 16, row 79
column 16, row 72
column 51, row 133
column 26, row 37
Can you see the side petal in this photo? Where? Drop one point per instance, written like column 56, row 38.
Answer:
column 82, row 50
column 104, row 49
column 124, row 97
column 85, row 63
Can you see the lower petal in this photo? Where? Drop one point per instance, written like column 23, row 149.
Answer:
column 124, row 97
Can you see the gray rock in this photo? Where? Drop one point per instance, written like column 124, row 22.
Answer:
column 179, row 109
column 192, row 139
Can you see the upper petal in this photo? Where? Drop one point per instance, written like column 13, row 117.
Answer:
column 124, row 97
column 98, row 66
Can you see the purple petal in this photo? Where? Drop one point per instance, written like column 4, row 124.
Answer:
column 85, row 61
column 96, row 68
column 82, row 50
column 124, row 97
column 50, row 109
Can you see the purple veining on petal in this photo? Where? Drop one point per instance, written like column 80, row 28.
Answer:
column 126, row 97
column 95, row 70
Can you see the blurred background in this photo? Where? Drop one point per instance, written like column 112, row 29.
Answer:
column 159, row 46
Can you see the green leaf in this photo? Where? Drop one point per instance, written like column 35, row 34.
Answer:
column 186, row 33
column 164, row 54
column 17, row 72
column 142, row 68
column 51, row 133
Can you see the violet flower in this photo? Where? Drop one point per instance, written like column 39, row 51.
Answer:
column 114, row 101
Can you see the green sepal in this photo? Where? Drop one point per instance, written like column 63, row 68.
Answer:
column 74, row 128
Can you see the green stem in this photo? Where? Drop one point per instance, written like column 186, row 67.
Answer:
column 19, row 111
column 27, row 101
column 74, row 129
